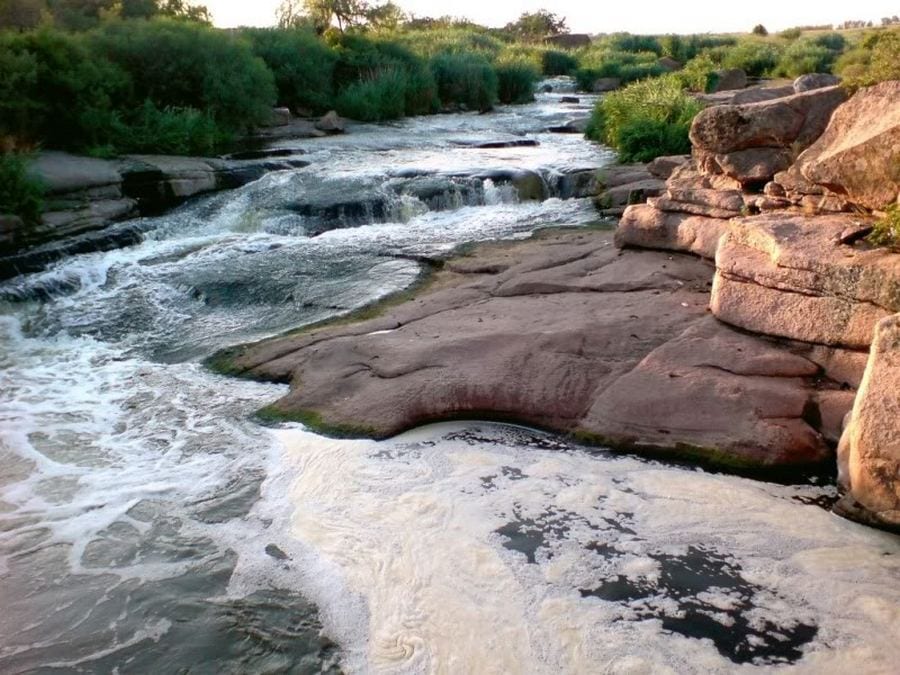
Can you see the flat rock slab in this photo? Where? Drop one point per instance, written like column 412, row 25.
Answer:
column 565, row 332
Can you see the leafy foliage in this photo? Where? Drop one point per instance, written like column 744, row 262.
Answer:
column 20, row 195
column 467, row 79
column 535, row 26
column 379, row 98
column 887, row 229
column 876, row 59
column 515, row 81
column 645, row 119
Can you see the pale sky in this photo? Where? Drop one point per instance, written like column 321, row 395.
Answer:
column 596, row 16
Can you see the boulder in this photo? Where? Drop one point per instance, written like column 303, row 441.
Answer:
column 736, row 396
column 280, row 117
column 856, row 156
column 786, row 275
column 794, row 121
column 643, row 226
column 753, row 94
column 732, row 78
column 669, row 64
column 569, row 99
column 62, row 173
column 331, row 123
column 605, row 84
column 662, row 167
column 870, row 447
column 815, row 81
column 671, row 205
column 754, row 165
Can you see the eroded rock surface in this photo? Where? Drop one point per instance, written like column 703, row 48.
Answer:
column 564, row 332
column 871, row 443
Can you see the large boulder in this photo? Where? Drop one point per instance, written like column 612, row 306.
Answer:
column 857, row 155
column 331, row 123
column 812, row 81
column 792, row 121
column 726, row 80
column 644, row 226
column 787, row 275
column 61, row 173
column 871, row 443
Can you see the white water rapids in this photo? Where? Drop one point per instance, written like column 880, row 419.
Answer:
column 148, row 523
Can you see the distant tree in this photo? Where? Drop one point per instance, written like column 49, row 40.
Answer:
column 323, row 13
column 21, row 14
column 388, row 15
column 759, row 29
column 537, row 25
column 180, row 9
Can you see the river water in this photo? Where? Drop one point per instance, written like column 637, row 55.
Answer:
column 149, row 524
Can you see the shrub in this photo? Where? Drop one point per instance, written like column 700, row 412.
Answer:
column 645, row 119
column 759, row 29
column 55, row 91
column 381, row 97
column 465, row 78
column 20, row 194
column 698, row 74
column 790, row 33
column 187, row 65
column 875, row 60
column 804, row 56
column 554, row 62
column 515, row 81
column 171, row 130
column 755, row 57
column 626, row 42
column 626, row 66
column 302, row 64
column 887, row 230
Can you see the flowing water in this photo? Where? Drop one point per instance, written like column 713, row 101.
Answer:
column 149, row 524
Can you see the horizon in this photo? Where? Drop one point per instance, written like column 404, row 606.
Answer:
column 658, row 17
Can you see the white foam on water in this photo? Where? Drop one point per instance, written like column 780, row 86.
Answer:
column 410, row 526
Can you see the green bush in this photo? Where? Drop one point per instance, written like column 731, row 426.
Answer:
column 887, row 229
column 54, row 90
column 626, row 42
column 467, row 79
column 626, row 66
column 875, row 59
column 180, row 64
column 20, row 195
column 382, row 97
column 645, row 119
column 554, row 62
column 171, row 130
column 698, row 74
column 303, row 66
column 515, row 81
column 805, row 56
column 755, row 57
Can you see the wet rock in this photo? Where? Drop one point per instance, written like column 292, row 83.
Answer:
column 726, row 80
column 815, row 81
column 560, row 331
column 605, row 84
column 570, row 99
column 732, row 394
column 784, row 275
column 856, row 156
column 331, row 123
column 871, row 442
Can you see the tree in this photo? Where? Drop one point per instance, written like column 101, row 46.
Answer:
column 323, row 13
column 759, row 29
column 537, row 25
column 388, row 15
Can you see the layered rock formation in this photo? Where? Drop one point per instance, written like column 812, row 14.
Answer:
column 85, row 197
column 799, row 270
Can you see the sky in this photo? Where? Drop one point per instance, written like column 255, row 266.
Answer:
column 596, row 16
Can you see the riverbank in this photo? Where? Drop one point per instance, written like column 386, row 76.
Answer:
column 569, row 333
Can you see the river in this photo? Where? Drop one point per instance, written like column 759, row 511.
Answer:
column 148, row 523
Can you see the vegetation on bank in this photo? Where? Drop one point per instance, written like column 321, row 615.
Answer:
column 20, row 194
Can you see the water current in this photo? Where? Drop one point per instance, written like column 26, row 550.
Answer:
column 148, row 523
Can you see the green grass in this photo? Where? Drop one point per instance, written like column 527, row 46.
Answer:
column 645, row 120
column 515, row 81
column 886, row 230
column 382, row 97
column 467, row 79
